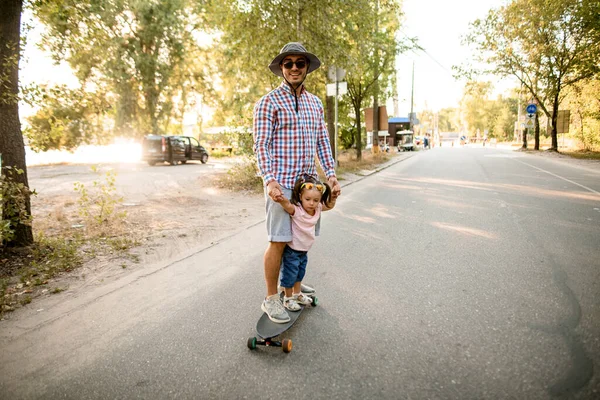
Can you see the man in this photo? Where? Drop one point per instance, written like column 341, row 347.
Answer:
column 289, row 130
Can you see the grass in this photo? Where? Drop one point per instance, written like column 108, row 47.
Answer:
column 63, row 242
column 243, row 175
column 582, row 154
column 348, row 161
column 25, row 271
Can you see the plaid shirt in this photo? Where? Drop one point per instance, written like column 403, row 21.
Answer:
column 285, row 142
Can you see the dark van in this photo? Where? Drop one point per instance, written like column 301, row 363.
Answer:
column 172, row 149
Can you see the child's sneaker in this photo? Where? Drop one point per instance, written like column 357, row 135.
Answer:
column 274, row 309
column 302, row 298
column 307, row 289
column 291, row 304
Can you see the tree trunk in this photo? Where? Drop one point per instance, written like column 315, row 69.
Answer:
column 554, row 120
column 12, row 147
column 537, row 132
column 525, row 131
column 358, row 140
column 330, row 107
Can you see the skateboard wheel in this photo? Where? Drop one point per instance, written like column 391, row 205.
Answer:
column 286, row 345
column 314, row 302
column 252, row 343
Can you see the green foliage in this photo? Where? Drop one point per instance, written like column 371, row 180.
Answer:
column 8, row 63
column 98, row 204
column 51, row 255
column 584, row 102
column 258, row 30
column 141, row 55
column 548, row 45
column 13, row 204
column 66, row 118
column 480, row 113
column 448, row 120
column 347, row 137
column 238, row 139
column 243, row 176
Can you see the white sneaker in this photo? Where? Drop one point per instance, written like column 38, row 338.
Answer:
column 273, row 308
column 291, row 304
column 302, row 298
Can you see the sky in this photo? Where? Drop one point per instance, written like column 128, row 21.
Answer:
column 438, row 25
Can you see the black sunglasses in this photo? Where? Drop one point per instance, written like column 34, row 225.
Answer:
column 300, row 64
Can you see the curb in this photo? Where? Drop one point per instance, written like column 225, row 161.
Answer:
column 394, row 161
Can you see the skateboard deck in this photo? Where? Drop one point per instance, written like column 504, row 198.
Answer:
column 267, row 330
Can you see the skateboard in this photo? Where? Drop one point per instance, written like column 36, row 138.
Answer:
column 268, row 330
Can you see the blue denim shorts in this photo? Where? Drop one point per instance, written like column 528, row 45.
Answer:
column 279, row 223
column 293, row 266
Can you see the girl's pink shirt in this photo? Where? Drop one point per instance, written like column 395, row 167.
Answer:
column 303, row 228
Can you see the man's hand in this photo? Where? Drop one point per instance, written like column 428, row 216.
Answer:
column 274, row 191
column 336, row 189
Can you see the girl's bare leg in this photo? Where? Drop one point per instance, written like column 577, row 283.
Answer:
column 297, row 287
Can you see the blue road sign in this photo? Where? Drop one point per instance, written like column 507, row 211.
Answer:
column 531, row 109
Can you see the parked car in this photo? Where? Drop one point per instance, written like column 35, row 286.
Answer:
column 193, row 150
column 172, row 149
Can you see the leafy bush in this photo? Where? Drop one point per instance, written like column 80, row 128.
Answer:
column 98, row 205
column 243, row 176
column 13, row 203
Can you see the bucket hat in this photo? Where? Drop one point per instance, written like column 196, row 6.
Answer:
column 294, row 48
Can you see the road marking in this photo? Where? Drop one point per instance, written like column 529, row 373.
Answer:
column 560, row 177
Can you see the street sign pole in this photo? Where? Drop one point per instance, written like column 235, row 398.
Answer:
column 335, row 137
column 337, row 75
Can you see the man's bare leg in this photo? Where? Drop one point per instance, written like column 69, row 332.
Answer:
column 272, row 261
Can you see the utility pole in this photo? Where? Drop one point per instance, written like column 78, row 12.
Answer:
column 519, row 114
column 375, row 136
column 334, row 144
column 412, row 95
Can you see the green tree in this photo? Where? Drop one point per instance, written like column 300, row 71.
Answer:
column 475, row 107
column 426, row 121
column 371, row 58
column 584, row 102
column 339, row 32
column 66, row 119
column 137, row 52
column 548, row 45
column 506, row 116
column 481, row 114
column 448, row 120
column 12, row 147
column 250, row 34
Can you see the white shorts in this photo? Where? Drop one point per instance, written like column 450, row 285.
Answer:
column 279, row 223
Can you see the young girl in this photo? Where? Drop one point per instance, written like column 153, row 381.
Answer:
column 309, row 198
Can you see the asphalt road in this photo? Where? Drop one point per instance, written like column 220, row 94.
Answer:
column 459, row 273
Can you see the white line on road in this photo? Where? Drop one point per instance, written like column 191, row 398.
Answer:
column 560, row 177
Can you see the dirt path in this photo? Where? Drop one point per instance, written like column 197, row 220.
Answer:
column 172, row 211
